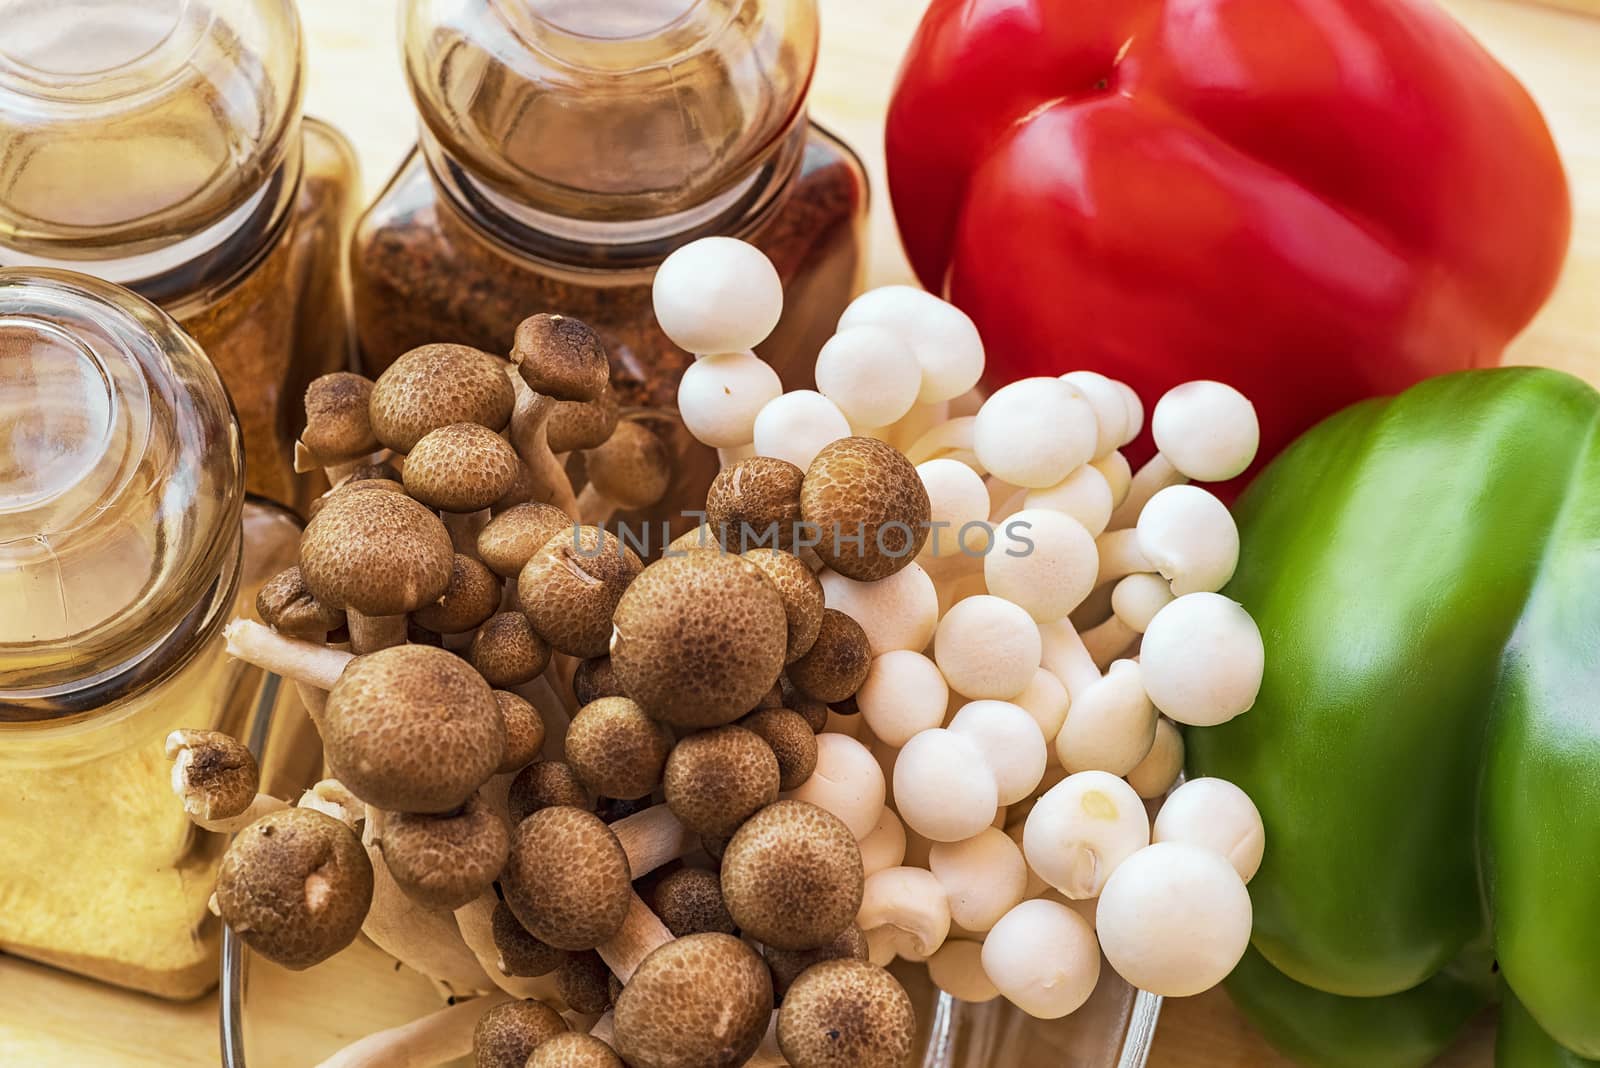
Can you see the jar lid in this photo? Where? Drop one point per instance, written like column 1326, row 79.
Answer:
column 120, row 483
column 610, row 112
column 136, row 135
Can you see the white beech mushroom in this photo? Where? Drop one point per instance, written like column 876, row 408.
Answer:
column 951, row 439
column 632, row 469
column 957, row 969
column 958, row 513
column 1135, row 600
column 867, row 507
column 1110, row 726
column 377, row 557
column 338, row 430
column 717, row 778
column 557, row 358
column 507, row 1034
column 717, row 294
column 904, row 912
column 720, row 397
column 943, row 787
column 1205, row 431
column 846, row 1014
column 1035, row 432
column 704, row 1001
column 1011, row 743
column 1043, row 957
column 987, row 647
column 616, row 749
column 885, row 845
column 1086, row 495
column 1081, row 830
column 941, row 336
column 434, row 1039
column 1118, row 414
column 1043, row 561
column 792, row 876
column 1202, row 659
column 1162, row 765
column 1046, row 700
column 802, row 598
column 984, row 877
column 1174, row 919
column 870, row 373
column 570, row 588
column 847, row 782
column 797, row 425
column 897, row 612
column 698, row 639
column 903, row 694
column 461, row 469
column 1190, row 538
column 1216, row 815
column 217, row 779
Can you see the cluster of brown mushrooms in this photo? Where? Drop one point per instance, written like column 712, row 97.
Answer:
column 574, row 790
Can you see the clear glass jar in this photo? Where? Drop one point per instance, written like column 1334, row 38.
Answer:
column 567, row 147
column 159, row 144
column 122, row 521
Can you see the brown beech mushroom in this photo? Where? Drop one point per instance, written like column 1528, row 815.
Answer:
column 792, row 876
column 434, row 386
column 756, row 502
column 557, row 359
column 507, row 652
column 792, row 741
column 571, row 586
column 433, row 1039
column 787, row 964
column 868, row 507
column 836, row 665
column 382, row 470
column 461, row 470
column 703, row 1001
column 512, row 537
column 616, row 750
column 285, row 603
column 524, row 732
column 574, row 1050
column 447, row 860
column 520, row 953
column 573, row 426
column 689, row 901
column 567, row 880
column 377, row 557
column 295, row 886
column 595, row 678
column 802, row 597
column 469, row 600
column 584, row 982
column 338, row 429
column 507, row 1034
column 717, row 779
column 545, row 784
column 846, row 1014
column 412, row 729
column 699, row 638
column 632, row 469
column 217, row 779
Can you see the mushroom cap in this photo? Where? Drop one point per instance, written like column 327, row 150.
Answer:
column 576, row 425
column 943, row 338
column 445, row 861
column 787, row 964
column 754, row 496
column 906, row 911
column 848, row 782
column 214, row 774
column 814, row 712
column 525, row 732
column 1011, row 742
column 1112, row 413
column 337, row 426
column 943, row 786
column 871, row 373
column 703, row 1001
column 561, row 357
column 802, row 597
column 984, row 876
column 574, row 1050
column 545, row 784
column 987, row 647
column 1202, row 659
column 958, row 509
column 1042, row 956
column 382, row 471
column 689, row 901
column 295, row 885
column 868, row 506
column 567, row 880
column 380, row 554
column 718, row 778
column 1081, row 829
column 1035, row 432
column 521, row 954
column 1086, row 495
column 1161, row 766
column 616, row 749
column 507, row 1034
column 595, row 678
column 797, row 426
column 507, row 652
column 717, row 294
column 903, row 695
column 791, row 740
column 434, row 386
column 632, row 468
column 1111, row 726
column 699, row 638
column 1207, row 430
column 1190, row 537
column 355, row 485
column 412, row 729
column 837, row 663
column 957, row 969
column 463, row 467
column 570, row 588
column 899, row 612
column 286, row 604
column 885, row 845
column 511, row 538
column 720, row 397
column 846, row 1014
column 1044, row 561
column 1216, row 815
column 584, row 982
column 792, row 876
column 472, row 597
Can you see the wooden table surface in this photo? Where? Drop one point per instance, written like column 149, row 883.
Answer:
column 51, row 1019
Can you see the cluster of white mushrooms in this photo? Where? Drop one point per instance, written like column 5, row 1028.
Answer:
column 619, row 811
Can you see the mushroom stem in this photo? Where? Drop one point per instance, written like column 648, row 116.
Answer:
column 1120, row 555
column 736, row 454
column 652, row 838
column 464, row 528
column 641, row 935
column 528, row 436
column 1066, row 657
column 368, row 634
column 263, row 804
column 292, row 658
column 476, row 922
column 1149, row 480
column 605, row 1029
column 1107, row 641
column 430, row 1040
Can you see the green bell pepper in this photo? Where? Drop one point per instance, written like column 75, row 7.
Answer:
column 1425, row 751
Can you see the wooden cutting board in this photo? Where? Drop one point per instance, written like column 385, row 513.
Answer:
column 50, row 1019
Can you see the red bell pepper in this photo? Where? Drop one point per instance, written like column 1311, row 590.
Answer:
column 1312, row 200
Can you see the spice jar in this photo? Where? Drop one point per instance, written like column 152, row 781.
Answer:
column 159, row 144
column 568, row 147
column 122, row 517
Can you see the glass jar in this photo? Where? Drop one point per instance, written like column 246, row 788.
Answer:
column 159, row 144
column 122, row 518
column 567, row 147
